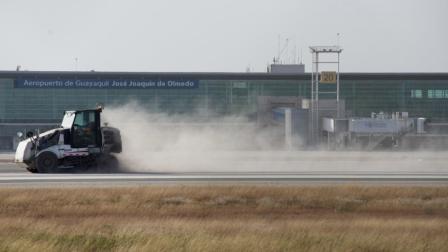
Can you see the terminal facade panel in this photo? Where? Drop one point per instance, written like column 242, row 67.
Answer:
column 31, row 99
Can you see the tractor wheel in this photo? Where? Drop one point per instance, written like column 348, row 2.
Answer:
column 31, row 167
column 108, row 163
column 46, row 162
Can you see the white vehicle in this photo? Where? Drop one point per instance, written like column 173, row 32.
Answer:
column 80, row 142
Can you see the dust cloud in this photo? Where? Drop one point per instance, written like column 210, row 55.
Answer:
column 158, row 142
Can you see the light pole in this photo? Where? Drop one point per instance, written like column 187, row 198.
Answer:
column 332, row 77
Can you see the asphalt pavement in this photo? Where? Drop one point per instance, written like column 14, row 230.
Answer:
column 257, row 168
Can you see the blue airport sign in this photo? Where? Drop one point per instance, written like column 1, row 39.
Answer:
column 106, row 83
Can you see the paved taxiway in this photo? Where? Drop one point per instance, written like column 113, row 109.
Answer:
column 301, row 168
column 18, row 178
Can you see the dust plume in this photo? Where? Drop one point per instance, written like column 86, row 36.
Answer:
column 158, row 142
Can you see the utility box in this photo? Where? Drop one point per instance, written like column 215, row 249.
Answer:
column 421, row 125
column 334, row 125
column 295, row 123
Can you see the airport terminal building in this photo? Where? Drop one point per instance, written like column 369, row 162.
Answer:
column 34, row 98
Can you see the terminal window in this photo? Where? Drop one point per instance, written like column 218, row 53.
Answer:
column 416, row 93
column 437, row 93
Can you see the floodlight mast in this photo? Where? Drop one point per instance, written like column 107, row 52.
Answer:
column 316, row 50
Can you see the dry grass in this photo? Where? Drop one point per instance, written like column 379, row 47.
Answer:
column 225, row 218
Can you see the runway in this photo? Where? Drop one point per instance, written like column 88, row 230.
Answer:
column 25, row 179
column 257, row 168
column 45, row 180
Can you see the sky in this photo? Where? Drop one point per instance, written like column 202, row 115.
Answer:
column 221, row 36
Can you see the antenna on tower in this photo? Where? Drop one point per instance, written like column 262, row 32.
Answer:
column 278, row 49
column 76, row 63
column 294, row 59
column 281, row 50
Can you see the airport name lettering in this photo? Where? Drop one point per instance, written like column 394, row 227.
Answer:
column 102, row 84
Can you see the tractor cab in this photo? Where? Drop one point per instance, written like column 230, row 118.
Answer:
column 83, row 128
